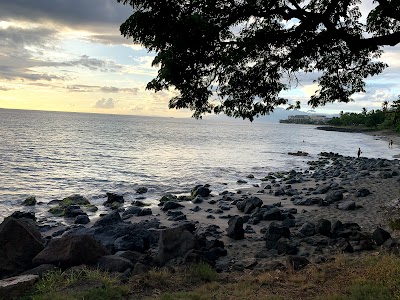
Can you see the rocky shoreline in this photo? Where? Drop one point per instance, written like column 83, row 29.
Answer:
column 292, row 219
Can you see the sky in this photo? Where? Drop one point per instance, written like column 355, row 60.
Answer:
column 68, row 55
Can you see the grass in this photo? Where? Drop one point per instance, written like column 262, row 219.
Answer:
column 345, row 278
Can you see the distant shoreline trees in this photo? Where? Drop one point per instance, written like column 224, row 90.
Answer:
column 387, row 118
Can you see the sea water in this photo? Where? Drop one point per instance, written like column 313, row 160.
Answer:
column 52, row 155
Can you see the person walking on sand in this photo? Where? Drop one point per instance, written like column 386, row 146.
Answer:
column 358, row 153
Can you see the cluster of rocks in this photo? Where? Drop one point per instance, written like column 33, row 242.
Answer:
column 111, row 244
column 115, row 244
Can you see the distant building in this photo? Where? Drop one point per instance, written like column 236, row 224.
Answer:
column 306, row 119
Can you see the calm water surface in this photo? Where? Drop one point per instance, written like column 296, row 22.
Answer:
column 52, row 155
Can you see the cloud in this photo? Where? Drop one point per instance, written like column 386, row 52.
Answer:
column 73, row 13
column 3, row 88
column 105, row 103
column 96, row 88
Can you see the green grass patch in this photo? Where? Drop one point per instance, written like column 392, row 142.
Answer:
column 394, row 224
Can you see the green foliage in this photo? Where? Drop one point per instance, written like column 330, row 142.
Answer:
column 368, row 292
column 202, row 272
column 237, row 57
column 387, row 118
column 78, row 284
column 394, row 224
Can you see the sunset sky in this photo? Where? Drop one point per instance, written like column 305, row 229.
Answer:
column 68, row 55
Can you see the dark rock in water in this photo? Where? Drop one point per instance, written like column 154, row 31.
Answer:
column 71, row 251
column 145, row 212
column 30, row 201
column 15, row 287
column 198, row 199
column 111, row 218
column 379, row 236
column 171, row 205
column 111, row 197
column 82, row 219
column 131, row 211
column 72, row 211
column 174, row 242
column 168, row 197
column 363, row 192
column 141, row 190
column 20, row 242
column 235, row 228
column 26, row 215
column 113, row 263
column 75, row 200
column 201, row 190
column 297, row 262
column 347, row 205
column 334, row 196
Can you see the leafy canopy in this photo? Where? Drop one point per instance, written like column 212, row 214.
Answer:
column 237, row 56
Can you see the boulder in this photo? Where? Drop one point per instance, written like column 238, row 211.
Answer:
column 297, row 262
column 273, row 214
column 347, row 205
column 29, row 201
column 82, row 219
column 201, row 190
column 131, row 211
column 20, row 242
column 379, row 236
column 111, row 198
column 174, row 242
column 18, row 286
column 23, row 215
column 138, row 240
column 252, row 203
column 235, row 228
column 323, row 227
column 308, row 229
column 171, row 205
column 363, row 192
column 110, row 219
column 71, row 251
column 114, row 263
column 72, row 211
column 334, row 196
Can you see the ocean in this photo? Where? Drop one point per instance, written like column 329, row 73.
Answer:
column 52, row 155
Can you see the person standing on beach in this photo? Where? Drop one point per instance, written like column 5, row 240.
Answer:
column 358, row 153
column 391, row 144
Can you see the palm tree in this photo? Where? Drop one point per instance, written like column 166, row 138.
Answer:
column 385, row 105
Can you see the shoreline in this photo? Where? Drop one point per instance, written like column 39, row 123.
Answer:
column 349, row 196
column 384, row 134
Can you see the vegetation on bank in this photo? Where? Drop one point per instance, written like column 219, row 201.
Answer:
column 386, row 118
column 344, row 278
